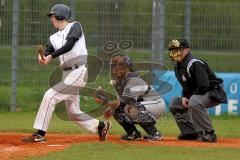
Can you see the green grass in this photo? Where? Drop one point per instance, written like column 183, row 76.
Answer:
column 110, row 151
column 226, row 126
column 28, row 98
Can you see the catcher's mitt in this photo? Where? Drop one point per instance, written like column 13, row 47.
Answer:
column 100, row 96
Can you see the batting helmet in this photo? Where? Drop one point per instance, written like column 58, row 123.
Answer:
column 60, row 11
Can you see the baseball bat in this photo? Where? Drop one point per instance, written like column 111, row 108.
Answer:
column 40, row 50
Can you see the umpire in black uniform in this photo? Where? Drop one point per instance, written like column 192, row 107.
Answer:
column 202, row 89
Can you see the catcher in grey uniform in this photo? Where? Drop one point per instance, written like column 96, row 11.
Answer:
column 137, row 102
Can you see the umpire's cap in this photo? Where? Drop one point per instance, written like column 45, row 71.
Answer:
column 178, row 44
column 60, row 11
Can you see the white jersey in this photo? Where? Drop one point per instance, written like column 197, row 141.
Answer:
column 73, row 79
column 78, row 54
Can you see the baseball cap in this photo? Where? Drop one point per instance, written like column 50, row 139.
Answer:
column 178, row 44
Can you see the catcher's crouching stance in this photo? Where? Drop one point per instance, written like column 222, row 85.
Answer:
column 138, row 103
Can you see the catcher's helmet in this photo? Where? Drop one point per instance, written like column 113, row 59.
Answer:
column 60, row 11
column 120, row 65
column 121, row 59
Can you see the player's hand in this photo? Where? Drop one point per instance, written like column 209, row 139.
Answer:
column 41, row 59
column 107, row 114
column 48, row 59
column 185, row 102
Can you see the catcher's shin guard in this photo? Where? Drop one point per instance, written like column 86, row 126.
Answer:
column 124, row 121
column 134, row 136
column 148, row 127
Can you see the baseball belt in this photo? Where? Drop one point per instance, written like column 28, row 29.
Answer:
column 75, row 66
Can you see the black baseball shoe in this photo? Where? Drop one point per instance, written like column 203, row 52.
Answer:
column 103, row 129
column 134, row 136
column 192, row 136
column 209, row 136
column 155, row 137
column 35, row 137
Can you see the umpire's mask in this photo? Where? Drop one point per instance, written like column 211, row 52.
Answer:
column 175, row 48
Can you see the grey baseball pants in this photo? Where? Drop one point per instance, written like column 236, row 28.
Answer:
column 194, row 118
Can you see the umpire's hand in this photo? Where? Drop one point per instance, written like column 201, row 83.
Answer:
column 185, row 102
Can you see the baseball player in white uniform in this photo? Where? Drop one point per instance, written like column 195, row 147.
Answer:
column 68, row 44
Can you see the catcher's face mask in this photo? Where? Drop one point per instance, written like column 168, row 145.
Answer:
column 119, row 67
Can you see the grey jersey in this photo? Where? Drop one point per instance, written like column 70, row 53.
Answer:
column 137, row 90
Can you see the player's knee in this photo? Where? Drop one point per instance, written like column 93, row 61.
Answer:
column 49, row 97
column 175, row 104
column 172, row 109
column 194, row 102
column 120, row 117
column 162, row 108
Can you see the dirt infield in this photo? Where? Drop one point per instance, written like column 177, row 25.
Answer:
column 11, row 146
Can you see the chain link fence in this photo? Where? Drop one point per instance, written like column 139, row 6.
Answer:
column 211, row 26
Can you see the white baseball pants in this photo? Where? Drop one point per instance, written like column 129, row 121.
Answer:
column 67, row 90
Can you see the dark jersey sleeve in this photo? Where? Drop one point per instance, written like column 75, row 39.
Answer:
column 185, row 93
column 75, row 31
column 199, row 73
column 74, row 34
column 49, row 48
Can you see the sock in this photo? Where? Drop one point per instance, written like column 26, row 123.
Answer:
column 42, row 133
column 209, row 132
column 101, row 125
